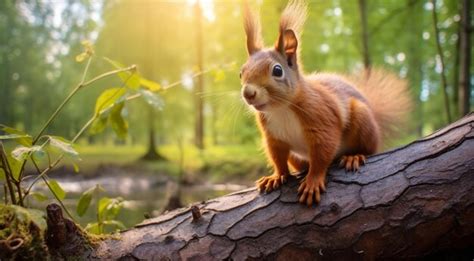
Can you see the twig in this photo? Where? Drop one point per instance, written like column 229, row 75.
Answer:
column 441, row 58
column 5, row 192
column 130, row 68
column 52, row 191
column 8, row 174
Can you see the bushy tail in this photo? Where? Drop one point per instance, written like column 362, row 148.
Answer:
column 389, row 98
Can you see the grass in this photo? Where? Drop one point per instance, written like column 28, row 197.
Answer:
column 214, row 164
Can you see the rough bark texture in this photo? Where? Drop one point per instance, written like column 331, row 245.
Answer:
column 413, row 201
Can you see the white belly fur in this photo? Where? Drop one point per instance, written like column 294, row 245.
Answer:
column 284, row 125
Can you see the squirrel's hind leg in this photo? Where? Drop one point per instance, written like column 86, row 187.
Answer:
column 361, row 137
column 352, row 163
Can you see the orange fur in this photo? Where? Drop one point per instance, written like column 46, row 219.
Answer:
column 388, row 97
column 307, row 121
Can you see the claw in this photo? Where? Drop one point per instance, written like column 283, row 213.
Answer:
column 310, row 189
column 270, row 183
column 352, row 163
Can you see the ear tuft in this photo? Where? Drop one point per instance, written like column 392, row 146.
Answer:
column 252, row 30
column 291, row 27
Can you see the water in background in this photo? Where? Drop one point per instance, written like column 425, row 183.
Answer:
column 143, row 194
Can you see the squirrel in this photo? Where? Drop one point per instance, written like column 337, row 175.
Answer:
column 308, row 121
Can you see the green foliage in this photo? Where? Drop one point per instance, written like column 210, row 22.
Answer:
column 61, row 145
column 38, row 196
column 109, row 108
column 57, row 189
column 17, row 135
column 86, row 199
column 107, row 210
column 21, row 152
column 109, row 98
column 14, row 166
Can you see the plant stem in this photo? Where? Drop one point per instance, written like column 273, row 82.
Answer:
column 84, row 128
column 130, row 68
column 8, row 174
column 20, row 195
column 58, row 199
column 43, row 173
column 65, row 101
column 84, row 74
column 73, row 92
column 5, row 192
column 52, row 191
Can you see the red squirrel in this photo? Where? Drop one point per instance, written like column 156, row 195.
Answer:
column 309, row 120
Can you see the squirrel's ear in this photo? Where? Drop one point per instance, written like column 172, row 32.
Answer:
column 252, row 30
column 287, row 45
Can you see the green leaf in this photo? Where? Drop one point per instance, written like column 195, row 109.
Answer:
column 76, row 167
column 39, row 196
column 114, row 223
column 99, row 124
column 108, row 98
column 15, row 166
column 56, row 189
column 21, row 152
column 63, row 146
column 114, row 208
column 131, row 79
column 119, row 125
column 18, row 135
column 152, row 98
column 85, row 201
column 150, row 85
column 102, row 207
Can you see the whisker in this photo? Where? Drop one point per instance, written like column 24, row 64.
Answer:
column 283, row 99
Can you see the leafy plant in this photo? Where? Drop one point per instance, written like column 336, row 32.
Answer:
column 107, row 210
column 42, row 147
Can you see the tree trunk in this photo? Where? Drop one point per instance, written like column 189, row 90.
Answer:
column 465, row 48
column 199, row 125
column 413, row 201
column 152, row 154
column 415, row 65
column 444, row 83
column 364, row 33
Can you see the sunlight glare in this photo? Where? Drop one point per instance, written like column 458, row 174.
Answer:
column 207, row 7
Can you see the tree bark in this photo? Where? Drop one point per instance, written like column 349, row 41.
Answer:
column 413, row 201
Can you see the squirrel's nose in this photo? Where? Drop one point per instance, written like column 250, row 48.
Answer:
column 249, row 94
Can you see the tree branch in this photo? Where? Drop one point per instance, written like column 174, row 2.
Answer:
column 410, row 202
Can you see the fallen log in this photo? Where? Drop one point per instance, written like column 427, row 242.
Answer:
column 412, row 201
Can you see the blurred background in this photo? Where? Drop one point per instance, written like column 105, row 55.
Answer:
column 204, row 142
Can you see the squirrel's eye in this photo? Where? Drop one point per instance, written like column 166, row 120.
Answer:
column 277, row 71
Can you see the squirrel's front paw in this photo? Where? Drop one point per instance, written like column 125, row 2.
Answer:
column 269, row 183
column 311, row 188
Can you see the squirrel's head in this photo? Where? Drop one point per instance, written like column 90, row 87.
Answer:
column 270, row 76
